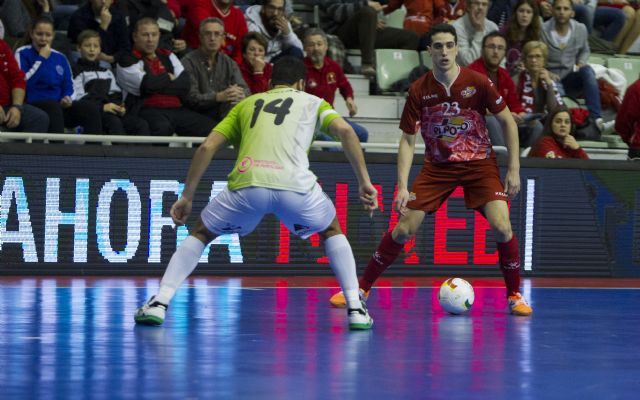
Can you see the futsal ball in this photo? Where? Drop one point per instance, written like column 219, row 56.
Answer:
column 456, row 295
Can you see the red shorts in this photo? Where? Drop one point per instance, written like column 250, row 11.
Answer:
column 480, row 180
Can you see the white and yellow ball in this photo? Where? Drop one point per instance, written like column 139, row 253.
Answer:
column 456, row 296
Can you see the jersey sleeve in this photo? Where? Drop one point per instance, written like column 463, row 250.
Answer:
column 229, row 127
column 410, row 119
column 495, row 102
column 326, row 114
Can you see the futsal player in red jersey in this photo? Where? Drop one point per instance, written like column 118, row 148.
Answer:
column 447, row 107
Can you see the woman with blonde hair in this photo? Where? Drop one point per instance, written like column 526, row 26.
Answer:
column 535, row 85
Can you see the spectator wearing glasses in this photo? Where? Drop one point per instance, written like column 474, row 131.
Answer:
column 494, row 47
column 216, row 80
column 471, row 29
column 235, row 26
column 270, row 20
column 156, row 83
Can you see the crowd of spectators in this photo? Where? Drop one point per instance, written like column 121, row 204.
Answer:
column 165, row 67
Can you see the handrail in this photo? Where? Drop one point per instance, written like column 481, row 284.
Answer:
column 187, row 141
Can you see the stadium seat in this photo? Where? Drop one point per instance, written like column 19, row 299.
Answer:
column 396, row 18
column 426, row 59
column 596, row 59
column 630, row 67
column 393, row 65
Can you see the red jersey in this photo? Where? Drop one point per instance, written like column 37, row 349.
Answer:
column 443, row 11
column 324, row 82
column 451, row 120
column 11, row 76
column 258, row 82
column 548, row 147
column 628, row 118
column 235, row 26
column 505, row 85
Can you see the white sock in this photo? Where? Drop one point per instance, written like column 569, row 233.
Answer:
column 182, row 263
column 343, row 265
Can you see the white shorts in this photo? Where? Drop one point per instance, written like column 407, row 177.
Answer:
column 241, row 211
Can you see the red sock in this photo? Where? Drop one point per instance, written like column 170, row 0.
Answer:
column 509, row 254
column 385, row 254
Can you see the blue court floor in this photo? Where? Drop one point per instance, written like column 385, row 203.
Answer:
column 70, row 338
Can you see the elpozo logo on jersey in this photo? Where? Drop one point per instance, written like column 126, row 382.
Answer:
column 468, row 92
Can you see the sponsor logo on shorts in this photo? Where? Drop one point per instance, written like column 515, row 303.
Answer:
column 412, row 196
column 245, row 164
column 468, row 92
column 230, row 228
column 301, row 229
column 501, row 194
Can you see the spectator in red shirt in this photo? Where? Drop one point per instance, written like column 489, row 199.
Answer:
column 558, row 140
column 14, row 114
column 324, row 76
column 255, row 70
column 494, row 46
column 628, row 120
column 235, row 25
column 419, row 14
column 448, row 10
column 155, row 81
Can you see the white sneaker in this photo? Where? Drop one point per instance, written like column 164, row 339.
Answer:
column 359, row 318
column 151, row 313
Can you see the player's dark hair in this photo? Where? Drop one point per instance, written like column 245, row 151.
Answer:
column 287, row 71
column 492, row 35
column 442, row 28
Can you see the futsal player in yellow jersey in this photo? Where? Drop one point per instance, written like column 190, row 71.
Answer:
column 273, row 132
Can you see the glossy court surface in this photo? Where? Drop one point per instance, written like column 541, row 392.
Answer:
column 271, row 338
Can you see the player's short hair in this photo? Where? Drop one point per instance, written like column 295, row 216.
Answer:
column 87, row 34
column 145, row 21
column 315, row 32
column 535, row 44
column 442, row 28
column 257, row 36
column 287, row 71
column 492, row 35
column 210, row 20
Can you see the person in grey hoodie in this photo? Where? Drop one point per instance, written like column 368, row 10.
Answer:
column 569, row 52
column 270, row 20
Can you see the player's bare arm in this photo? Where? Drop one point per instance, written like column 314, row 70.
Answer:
column 510, row 132
column 201, row 159
column 405, row 159
column 351, row 146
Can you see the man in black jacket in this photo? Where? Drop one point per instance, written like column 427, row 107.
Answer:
column 100, row 16
column 154, row 82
